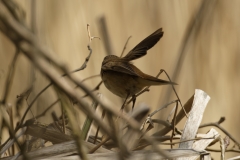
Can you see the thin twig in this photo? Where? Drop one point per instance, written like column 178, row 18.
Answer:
column 146, row 89
column 150, row 120
column 174, row 122
column 84, row 65
column 29, row 107
column 218, row 150
column 162, row 70
column 171, row 143
column 63, row 119
column 164, row 106
column 47, row 109
column 94, row 76
column 9, row 79
column 98, row 128
column 94, row 89
column 217, row 124
column 89, row 35
column 180, row 116
column 99, row 145
column 162, row 122
column 194, row 139
column 125, row 46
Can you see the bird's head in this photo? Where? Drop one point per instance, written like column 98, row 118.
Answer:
column 109, row 58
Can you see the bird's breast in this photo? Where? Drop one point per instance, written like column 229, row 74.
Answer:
column 121, row 84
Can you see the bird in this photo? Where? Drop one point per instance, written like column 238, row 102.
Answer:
column 124, row 79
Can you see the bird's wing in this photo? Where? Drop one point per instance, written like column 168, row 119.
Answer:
column 123, row 67
column 128, row 68
column 141, row 49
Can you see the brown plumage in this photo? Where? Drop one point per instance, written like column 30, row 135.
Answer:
column 123, row 78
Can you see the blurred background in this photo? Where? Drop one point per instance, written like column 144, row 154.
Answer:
column 199, row 50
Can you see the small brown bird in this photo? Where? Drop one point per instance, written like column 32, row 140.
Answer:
column 124, row 79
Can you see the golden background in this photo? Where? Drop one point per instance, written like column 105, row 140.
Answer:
column 201, row 44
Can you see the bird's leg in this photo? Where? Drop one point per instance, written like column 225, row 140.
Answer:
column 134, row 100
column 125, row 101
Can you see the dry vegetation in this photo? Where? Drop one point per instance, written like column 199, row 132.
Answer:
column 48, row 111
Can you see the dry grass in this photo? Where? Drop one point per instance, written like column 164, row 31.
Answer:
column 199, row 49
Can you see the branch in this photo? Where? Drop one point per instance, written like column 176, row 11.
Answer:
column 217, row 124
